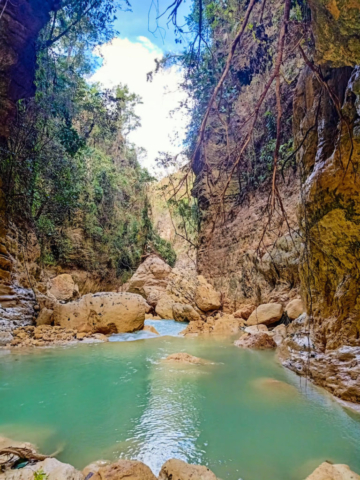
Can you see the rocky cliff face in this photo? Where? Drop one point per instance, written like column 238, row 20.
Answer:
column 245, row 263
column 323, row 205
column 20, row 25
column 330, row 205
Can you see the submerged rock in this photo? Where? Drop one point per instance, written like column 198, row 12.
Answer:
column 259, row 341
column 150, row 328
column 103, row 313
column 274, row 387
column 186, row 358
column 266, row 314
column 327, row 471
column 175, row 469
column 123, row 469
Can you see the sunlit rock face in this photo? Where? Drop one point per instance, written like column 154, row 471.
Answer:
column 330, row 210
column 336, row 28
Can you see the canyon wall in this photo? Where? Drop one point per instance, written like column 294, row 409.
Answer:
column 320, row 259
column 330, row 210
column 248, row 260
column 20, row 25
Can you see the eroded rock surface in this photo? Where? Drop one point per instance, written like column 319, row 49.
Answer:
column 121, row 470
column 186, row 358
column 327, row 471
column 51, row 468
column 103, row 313
column 179, row 470
column 63, row 287
column 150, row 279
column 260, row 341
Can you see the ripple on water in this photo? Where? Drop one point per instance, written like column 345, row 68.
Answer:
column 245, row 417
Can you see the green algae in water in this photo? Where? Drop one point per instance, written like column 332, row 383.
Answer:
column 119, row 400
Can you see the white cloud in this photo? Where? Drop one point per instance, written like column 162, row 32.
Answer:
column 128, row 63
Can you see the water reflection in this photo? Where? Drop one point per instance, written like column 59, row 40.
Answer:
column 170, row 424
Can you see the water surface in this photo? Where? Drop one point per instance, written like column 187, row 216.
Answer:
column 120, row 400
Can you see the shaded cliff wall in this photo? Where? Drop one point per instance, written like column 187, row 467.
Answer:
column 20, row 25
column 233, row 254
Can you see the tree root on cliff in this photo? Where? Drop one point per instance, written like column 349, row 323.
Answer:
column 12, row 455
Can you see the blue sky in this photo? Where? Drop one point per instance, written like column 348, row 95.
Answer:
column 142, row 21
column 127, row 59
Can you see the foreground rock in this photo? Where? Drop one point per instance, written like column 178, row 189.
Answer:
column 46, row 335
column 51, row 469
column 178, row 470
column 186, row 358
column 123, row 469
column 103, row 313
column 150, row 279
column 63, row 287
column 266, row 314
column 327, row 471
column 260, row 341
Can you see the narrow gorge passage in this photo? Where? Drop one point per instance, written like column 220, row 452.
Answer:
column 179, row 240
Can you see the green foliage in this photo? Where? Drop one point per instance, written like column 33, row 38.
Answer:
column 40, row 475
column 69, row 171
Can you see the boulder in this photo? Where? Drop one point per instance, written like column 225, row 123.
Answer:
column 266, row 314
column 5, row 338
column 327, row 471
column 150, row 279
column 150, row 328
column 226, row 325
column 175, row 469
column 164, row 307
column 123, row 469
column 45, row 317
column 260, row 341
column 295, row 308
column 244, row 311
column 186, row 358
column 63, row 287
column 103, row 313
column 206, row 297
column 50, row 467
column 185, row 313
column 256, row 329
column 279, row 334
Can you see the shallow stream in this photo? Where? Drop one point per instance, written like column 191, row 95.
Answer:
column 119, row 399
